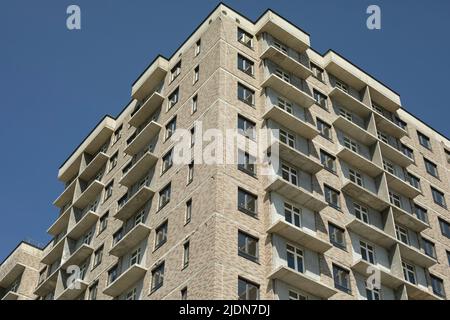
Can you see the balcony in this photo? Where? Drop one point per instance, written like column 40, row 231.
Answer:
column 401, row 186
column 384, row 97
column 150, row 78
column 12, row 274
column 354, row 130
column 297, row 194
column 348, row 73
column 143, row 138
column 415, row 255
column 130, row 240
column 409, row 220
column 134, row 202
column 389, row 126
column 48, row 284
column 303, row 282
column 364, row 195
column 288, row 90
column 286, row 62
column 125, row 280
column 61, row 223
column 300, row 236
column 83, row 224
column 11, row 295
column 292, row 155
column 392, row 152
column 54, row 252
column 351, row 103
column 89, row 194
column 371, row 233
column 291, row 122
column 78, row 256
column 73, row 291
column 67, row 195
column 359, row 162
column 386, row 277
column 416, row 292
column 94, row 166
column 147, row 108
column 139, row 168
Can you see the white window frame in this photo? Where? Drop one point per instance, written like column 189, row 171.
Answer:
column 287, row 138
column 351, row 144
column 294, row 212
column 362, row 211
column 297, row 252
column 369, row 251
column 291, row 173
column 356, row 177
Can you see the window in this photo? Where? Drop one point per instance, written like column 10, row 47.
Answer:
column 321, row 99
column 402, row 234
column 447, row 154
column 198, row 47
column 421, row 213
column 246, row 162
column 245, row 38
column 448, row 257
column 188, row 212
column 347, row 115
column 350, row 144
column 332, row 197
column 93, row 289
column 438, row 286
column 170, row 128
column 164, row 196
column 367, row 252
column 424, row 140
column 131, row 295
column 127, row 168
column 324, row 129
column 342, row 86
column 247, row 246
column 113, row 161
column 246, row 65
column 158, row 277
column 413, row 180
column 284, row 105
column 431, row 167
column 292, row 215
column 287, row 138
column 98, row 256
column 280, row 47
column 409, row 272
column 429, row 248
column 355, row 177
column 247, row 128
column 247, row 290
column 373, row 294
column 117, row 134
column 395, row 199
column 184, row 294
column 438, row 197
column 289, row 174
column 389, row 167
column 383, row 137
column 135, row 257
column 407, row 151
column 173, row 98
column 317, row 72
column 108, row 191
column 167, row 161
column 294, row 295
column 185, row 254
column 280, row 73
column 113, row 273
column 194, row 105
column 103, row 222
column 192, row 136
column 445, row 228
column 361, row 212
column 328, row 161
column 337, row 236
column 247, row 202
column 196, row 74
column 341, row 279
column 294, row 258
column 176, row 71
column 139, row 218
column 190, row 175
column 246, row 95
column 161, row 235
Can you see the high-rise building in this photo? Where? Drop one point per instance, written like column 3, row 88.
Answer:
column 357, row 208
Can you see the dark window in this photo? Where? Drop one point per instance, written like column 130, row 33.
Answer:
column 341, row 279
column 173, row 98
column 413, row 180
column 246, row 163
column 445, row 228
column 167, row 161
column 158, row 277
column 246, row 95
column 328, row 161
column 109, row 190
column 188, row 213
column 164, row 196
column 429, row 248
column 247, row 246
column 438, row 286
column 186, row 251
column 175, row 71
column 196, row 74
column 198, row 47
column 247, row 290
column 247, row 128
column 184, row 293
column 321, row 99
column 438, row 197
column 421, row 213
column 245, row 38
column 161, row 235
column 246, row 65
column 407, row 151
column 324, row 129
column 448, row 257
column 113, row 161
column 190, row 176
column 431, row 168
column 247, row 202
column 103, row 222
column 317, row 72
column 93, row 289
column 98, row 256
column 171, row 127
column 337, row 236
column 117, row 134
column 332, row 197
column 424, row 140
column 194, row 104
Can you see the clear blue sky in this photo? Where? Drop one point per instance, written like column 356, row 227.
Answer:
column 56, row 84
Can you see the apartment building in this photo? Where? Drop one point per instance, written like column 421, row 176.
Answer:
column 19, row 272
column 361, row 187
